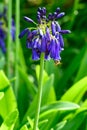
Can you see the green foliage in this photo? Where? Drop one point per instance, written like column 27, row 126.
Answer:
column 52, row 111
column 64, row 97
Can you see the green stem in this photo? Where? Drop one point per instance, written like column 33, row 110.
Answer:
column 39, row 95
column 17, row 44
column 9, row 36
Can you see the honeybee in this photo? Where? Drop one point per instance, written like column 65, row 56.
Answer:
column 57, row 62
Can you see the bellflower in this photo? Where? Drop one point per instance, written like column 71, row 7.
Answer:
column 2, row 38
column 47, row 36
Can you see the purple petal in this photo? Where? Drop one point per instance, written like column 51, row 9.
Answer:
column 58, row 10
column 44, row 10
column 2, row 33
column 23, row 32
column 39, row 9
column 13, row 30
column 39, row 45
column 2, row 45
column 13, row 34
column 48, row 34
column 54, row 52
column 53, row 27
column 1, row 23
column 55, row 14
column 38, row 13
column 60, row 15
column 39, row 19
column 29, row 45
column 58, row 28
column 35, row 55
column 47, row 56
column 61, row 41
column 57, row 35
column 44, row 17
column 30, row 36
column 50, row 16
column 65, row 31
column 34, row 32
column 28, row 19
column 43, row 44
column 35, row 43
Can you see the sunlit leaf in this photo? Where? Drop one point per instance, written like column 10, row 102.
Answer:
column 58, row 106
column 8, row 102
column 76, row 92
column 1, row 95
column 24, row 128
column 9, row 121
column 60, row 125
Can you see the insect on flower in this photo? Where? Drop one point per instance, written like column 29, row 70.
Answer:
column 57, row 62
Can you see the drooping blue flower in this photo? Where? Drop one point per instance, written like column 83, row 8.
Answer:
column 2, row 38
column 3, row 17
column 47, row 36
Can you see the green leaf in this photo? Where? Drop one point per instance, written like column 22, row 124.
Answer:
column 76, row 121
column 9, row 121
column 58, row 106
column 8, row 102
column 31, row 87
column 21, row 58
column 45, row 78
column 43, row 122
column 47, row 89
column 76, row 92
column 4, row 82
column 45, row 94
column 83, row 66
column 1, row 95
column 24, row 128
column 60, row 125
column 31, row 123
column 51, row 96
column 2, row 59
column 69, row 71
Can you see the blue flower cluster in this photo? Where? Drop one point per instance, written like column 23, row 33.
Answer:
column 47, row 36
column 3, row 34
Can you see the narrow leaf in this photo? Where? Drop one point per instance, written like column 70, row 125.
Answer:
column 58, row 106
column 76, row 92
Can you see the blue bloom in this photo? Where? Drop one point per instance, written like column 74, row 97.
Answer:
column 13, row 30
column 2, row 38
column 3, row 16
column 47, row 36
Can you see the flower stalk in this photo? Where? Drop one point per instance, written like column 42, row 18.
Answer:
column 39, row 94
column 17, row 44
column 9, row 36
column 47, row 37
